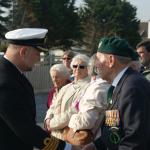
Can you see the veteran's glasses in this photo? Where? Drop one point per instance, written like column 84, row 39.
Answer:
column 79, row 66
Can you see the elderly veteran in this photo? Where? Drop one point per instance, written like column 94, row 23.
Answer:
column 58, row 116
column 60, row 77
column 127, row 119
column 18, row 129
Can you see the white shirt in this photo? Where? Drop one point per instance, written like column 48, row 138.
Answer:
column 118, row 77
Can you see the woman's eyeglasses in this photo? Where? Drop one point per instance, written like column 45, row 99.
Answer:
column 66, row 58
column 79, row 66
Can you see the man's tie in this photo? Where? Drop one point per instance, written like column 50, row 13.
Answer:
column 109, row 94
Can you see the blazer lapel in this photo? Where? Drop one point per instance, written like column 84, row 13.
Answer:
column 119, row 87
column 26, row 84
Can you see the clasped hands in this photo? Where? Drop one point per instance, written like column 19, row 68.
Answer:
column 81, row 137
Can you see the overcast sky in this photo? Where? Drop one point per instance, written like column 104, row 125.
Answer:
column 143, row 8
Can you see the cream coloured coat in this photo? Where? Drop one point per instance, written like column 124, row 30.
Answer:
column 64, row 106
column 92, row 104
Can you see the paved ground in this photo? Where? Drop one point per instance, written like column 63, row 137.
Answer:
column 41, row 108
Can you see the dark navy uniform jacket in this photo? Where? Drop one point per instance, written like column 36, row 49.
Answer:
column 18, row 129
column 131, row 98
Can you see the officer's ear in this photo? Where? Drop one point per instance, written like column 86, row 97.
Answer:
column 23, row 51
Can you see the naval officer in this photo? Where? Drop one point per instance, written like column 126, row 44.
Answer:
column 18, row 129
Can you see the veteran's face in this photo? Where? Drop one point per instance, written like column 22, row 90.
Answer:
column 31, row 57
column 58, row 79
column 144, row 56
column 80, row 70
column 102, row 66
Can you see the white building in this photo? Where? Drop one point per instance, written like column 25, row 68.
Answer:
column 144, row 30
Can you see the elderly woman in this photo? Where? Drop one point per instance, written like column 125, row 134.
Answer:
column 65, row 104
column 90, row 108
column 60, row 77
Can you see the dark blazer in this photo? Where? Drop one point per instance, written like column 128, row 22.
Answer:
column 132, row 98
column 18, row 129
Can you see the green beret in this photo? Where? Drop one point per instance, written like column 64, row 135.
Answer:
column 135, row 56
column 115, row 46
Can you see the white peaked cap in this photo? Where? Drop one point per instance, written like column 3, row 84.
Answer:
column 28, row 36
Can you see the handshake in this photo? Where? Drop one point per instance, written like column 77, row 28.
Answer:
column 79, row 137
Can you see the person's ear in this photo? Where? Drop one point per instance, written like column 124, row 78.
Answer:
column 111, row 60
column 23, row 51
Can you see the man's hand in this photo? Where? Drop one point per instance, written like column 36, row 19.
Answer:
column 47, row 124
column 81, row 137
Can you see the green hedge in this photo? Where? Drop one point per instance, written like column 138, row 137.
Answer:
column 3, row 46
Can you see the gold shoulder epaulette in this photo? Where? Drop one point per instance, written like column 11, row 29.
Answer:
column 51, row 143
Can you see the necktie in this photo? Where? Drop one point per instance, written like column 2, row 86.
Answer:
column 109, row 94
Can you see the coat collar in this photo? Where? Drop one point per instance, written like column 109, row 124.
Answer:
column 118, row 88
column 12, row 69
column 118, row 77
column 81, row 83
